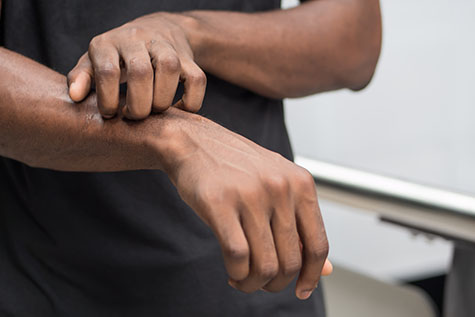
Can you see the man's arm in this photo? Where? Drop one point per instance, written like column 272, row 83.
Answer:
column 259, row 205
column 41, row 126
column 319, row 46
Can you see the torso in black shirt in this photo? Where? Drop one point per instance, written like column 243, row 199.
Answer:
column 121, row 244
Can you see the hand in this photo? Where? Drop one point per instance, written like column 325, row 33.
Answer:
column 262, row 207
column 152, row 55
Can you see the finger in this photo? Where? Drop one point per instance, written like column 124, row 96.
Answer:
column 288, row 251
column 315, row 245
column 80, row 79
column 105, row 62
column 194, row 81
column 264, row 264
column 167, row 76
column 327, row 268
column 139, row 82
column 234, row 247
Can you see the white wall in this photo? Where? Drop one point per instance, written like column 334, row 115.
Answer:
column 415, row 121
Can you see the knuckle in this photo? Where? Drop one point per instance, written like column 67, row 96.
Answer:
column 278, row 183
column 318, row 252
column 198, row 78
column 268, row 270
column 208, row 196
column 287, row 228
column 304, row 179
column 139, row 69
column 93, row 43
column 107, row 71
column 96, row 42
column 236, row 252
column 134, row 31
column 170, row 63
column 291, row 267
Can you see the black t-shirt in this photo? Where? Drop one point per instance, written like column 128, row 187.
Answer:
column 121, row 244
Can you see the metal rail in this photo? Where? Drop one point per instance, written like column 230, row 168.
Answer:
column 432, row 210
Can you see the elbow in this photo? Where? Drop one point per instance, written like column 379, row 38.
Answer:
column 348, row 59
column 366, row 48
column 363, row 74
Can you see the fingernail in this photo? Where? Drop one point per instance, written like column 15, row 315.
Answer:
column 305, row 294
column 72, row 85
column 231, row 283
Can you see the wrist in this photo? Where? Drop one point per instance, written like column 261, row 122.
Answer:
column 194, row 28
column 170, row 139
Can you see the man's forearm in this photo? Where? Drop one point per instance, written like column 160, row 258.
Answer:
column 262, row 207
column 319, row 46
column 42, row 127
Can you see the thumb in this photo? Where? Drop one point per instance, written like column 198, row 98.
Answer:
column 80, row 79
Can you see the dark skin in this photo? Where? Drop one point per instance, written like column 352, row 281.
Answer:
column 319, row 46
column 262, row 207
